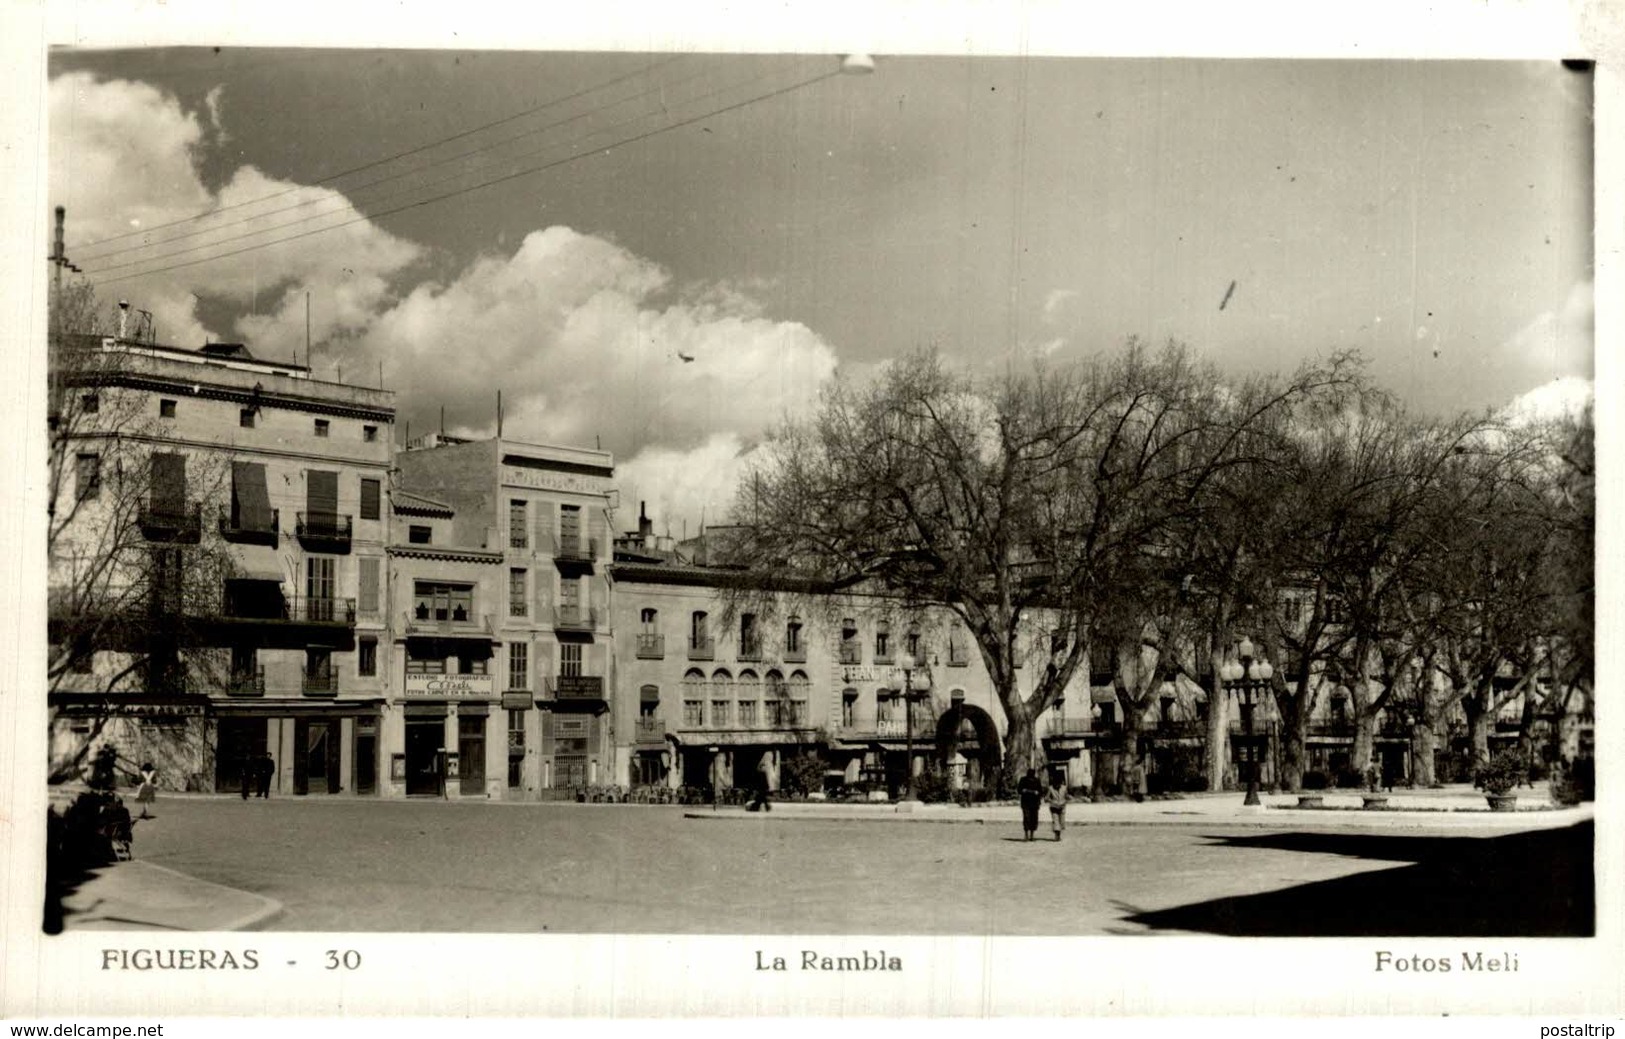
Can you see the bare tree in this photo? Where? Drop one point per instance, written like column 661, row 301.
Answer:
column 1041, row 508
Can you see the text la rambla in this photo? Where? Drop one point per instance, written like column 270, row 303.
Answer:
column 813, row 960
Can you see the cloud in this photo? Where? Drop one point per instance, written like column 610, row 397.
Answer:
column 589, row 343
column 124, row 157
column 681, row 487
column 1558, row 398
column 1056, row 301
column 1559, row 342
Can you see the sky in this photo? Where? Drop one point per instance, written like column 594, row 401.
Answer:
column 675, row 251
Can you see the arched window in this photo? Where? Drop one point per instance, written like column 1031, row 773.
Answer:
column 773, row 704
column 883, row 647
column 849, row 708
column 649, row 617
column 694, row 698
column 886, row 705
column 749, row 691
column 799, row 687
column 722, row 696
column 648, row 701
column 911, row 643
column 851, row 651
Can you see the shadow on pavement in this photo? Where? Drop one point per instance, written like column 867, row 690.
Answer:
column 1536, row 884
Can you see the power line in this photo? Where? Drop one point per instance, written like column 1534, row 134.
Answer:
column 462, row 191
column 369, row 165
column 349, row 195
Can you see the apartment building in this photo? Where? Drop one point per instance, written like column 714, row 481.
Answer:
column 546, row 510
column 220, row 564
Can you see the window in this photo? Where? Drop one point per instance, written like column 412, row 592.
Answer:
column 322, row 427
column 693, row 713
column 698, row 633
column 851, row 652
column 443, row 601
column 749, row 643
column 419, row 535
column 369, row 433
column 320, row 676
column 911, row 642
column 518, row 665
column 747, row 714
column 87, row 469
column 245, row 418
column 882, row 642
column 649, row 618
column 319, row 583
column 367, row 657
column 570, row 659
column 750, row 688
column 886, row 705
column 369, row 498
column 792, row 635
column 468, row 664
column 166, row 408
column 516, row 592
column 518, row 534
column 849, row 708
column 90, row 403
column 799, row 687
column 368, row 581
column 423, row 665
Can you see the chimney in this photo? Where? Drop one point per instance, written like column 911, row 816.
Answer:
column 123, row 318
column 646, row 526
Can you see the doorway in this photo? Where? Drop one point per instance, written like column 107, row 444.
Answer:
column 240, row 740
column 423, row 739
column 471, row 754
column 366, row 756
column 316, row 757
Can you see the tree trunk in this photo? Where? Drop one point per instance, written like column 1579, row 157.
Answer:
column 1424, row 740
column 1365, row 739
column 1218, row 731
column 1294, row 742
column 1021, row 749
column 1479, row 715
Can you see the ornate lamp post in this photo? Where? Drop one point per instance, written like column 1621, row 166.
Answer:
column 908, row 665
column 1249, row 678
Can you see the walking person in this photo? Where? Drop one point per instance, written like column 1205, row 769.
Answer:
column 148, row 792
column 1031, row 792
column 1055, row 797
column 263, row 772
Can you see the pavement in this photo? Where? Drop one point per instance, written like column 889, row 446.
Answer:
column 143, row 895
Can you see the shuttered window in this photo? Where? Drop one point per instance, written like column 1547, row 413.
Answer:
column 369, row 584
column 322, row 494
column 369, row 499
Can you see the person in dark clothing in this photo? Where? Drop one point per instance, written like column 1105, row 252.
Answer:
column 250, row 774
column 1031, row 792
column 263, row 772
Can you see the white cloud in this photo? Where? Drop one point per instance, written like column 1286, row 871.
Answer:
column 588, row 345
column 683, row 487
column 1056, row 301
column 1561, row 340
column 124, row 156
column 1558, row 398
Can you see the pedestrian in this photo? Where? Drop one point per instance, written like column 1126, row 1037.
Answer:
column 762, row 789
column 148, row 792
column 1055, row 797
column 264, row 771
column 1031, row 792
column 249, row 769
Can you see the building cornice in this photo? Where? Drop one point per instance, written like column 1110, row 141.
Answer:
column 446, row 553
column 237, row 395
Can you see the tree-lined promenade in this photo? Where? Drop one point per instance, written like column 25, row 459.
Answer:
column 1146, row 512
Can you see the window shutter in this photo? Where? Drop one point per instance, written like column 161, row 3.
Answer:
column 322, row 493
column 369, row 584
column 168, row 476
column 369, row 498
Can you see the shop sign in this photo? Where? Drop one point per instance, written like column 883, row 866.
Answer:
column 890, row 677
column 451, row 687
column 579, row 687
column 516, row 701
column 514, row 476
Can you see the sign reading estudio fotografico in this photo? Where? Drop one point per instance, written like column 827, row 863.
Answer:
column 451, row 687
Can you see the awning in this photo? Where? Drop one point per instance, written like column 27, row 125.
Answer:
column 250, row 500
column 256, row 563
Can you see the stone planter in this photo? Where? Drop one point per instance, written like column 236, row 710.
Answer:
column 1311, row 801
column 1374, row 802
column 1502, row 802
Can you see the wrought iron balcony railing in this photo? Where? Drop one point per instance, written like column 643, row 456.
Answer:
column 320, row 683
column 238, row 529
column 750, row 650
column 651, row 647
column 246, row 683
column 325, row 530
column 171, row 521
column 650, row 731
column 702, row 648
column 575, row 618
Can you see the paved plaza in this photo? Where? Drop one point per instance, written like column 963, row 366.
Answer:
column 367, row 865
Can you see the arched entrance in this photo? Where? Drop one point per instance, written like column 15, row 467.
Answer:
column 968, row 739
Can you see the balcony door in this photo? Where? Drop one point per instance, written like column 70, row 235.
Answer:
column 168, row 477
column 569, row 529
column 319, row 588
column 322, row 500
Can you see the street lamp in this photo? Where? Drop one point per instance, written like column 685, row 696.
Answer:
column 908, row 665
column 1248, row 678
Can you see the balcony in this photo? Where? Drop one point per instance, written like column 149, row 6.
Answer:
column 320, row 683
column 1341, row 730
column 238, row 531
column 703, row 648
column 797, row 655
column 650, row 732
column 246, row 683
column 324, row 532
column 1067, row 727
column 750, row 651
column 575, row 553
column 851, row 653
column 587, row 690
column 651, row 647
column 438, row 623
column 289, row 609
column 176, row 522
column 575, row 618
